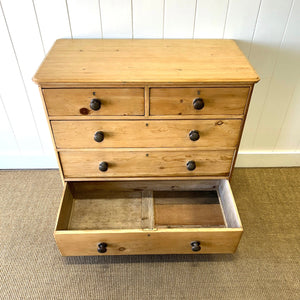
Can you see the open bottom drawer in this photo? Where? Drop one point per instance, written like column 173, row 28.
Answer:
column 147, row 217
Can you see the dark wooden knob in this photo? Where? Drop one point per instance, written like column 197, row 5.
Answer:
column 194, row 135
column 103, row 166
column 195, row 246
column 95, row 104
column 198, row 103
column 102, row 247
column 99, row 136
column 191, row 165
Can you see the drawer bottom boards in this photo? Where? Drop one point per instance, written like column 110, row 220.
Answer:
column 147, row 217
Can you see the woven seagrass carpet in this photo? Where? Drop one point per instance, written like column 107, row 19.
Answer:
column 265, row 266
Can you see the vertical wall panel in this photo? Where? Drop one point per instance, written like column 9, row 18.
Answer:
column 148, row 18
column 289, row 138
column 270, row 27
column 29, row 51
column 53, row 21
column 8, row 142
column 210, row 19
column 85, row 18
column 267, row 38
column 283, row 83
column 241, row 21
column 14, row 95
column 179, row 18
column 116, row 18
column 275, row 108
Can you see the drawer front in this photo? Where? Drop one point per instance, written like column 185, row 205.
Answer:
column 165, row 134
column 88, row 209
column 77, row 102
column 120, row 163
column 209, row 101
column 224, row 240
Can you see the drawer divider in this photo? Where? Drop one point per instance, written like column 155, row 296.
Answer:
column 147, row 210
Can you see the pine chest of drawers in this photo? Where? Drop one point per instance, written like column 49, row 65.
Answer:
column 146, row 134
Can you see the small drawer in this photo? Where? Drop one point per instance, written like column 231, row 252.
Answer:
column 141, row 163
column 95, row 102
column 198, row 101
column 147, row 217
column 214, row 134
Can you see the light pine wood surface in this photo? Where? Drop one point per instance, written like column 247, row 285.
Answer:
column 179, row 101
column 145, row 61
column 162, row 241
column 145, row 163
column 144, row 130
column 214, row 134
column 114, row 102
column 79, row 227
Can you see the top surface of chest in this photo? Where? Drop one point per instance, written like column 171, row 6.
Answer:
column 138, row 62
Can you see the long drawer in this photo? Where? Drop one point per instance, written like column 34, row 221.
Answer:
column 211, row 134
column 198, row 101
column 120, row 218
column 143, row 163
column 95, row 102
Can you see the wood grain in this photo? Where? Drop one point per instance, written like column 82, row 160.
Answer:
column 165, row 117
column 91, row 189
column 147, row 210
column 80, row 239
column 146, row 89
column 145, row 163
column 114, row 102
column 175, row 209
column 65, row 209
column 121, row 210
column 142, row 179
column 137, row 61
column 52, row 136
column 179, row 101
column 162, row 241
column 214, row 134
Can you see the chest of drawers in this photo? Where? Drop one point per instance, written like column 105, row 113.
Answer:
column 146, row 134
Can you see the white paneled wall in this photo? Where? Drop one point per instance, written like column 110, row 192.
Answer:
column 267, row 31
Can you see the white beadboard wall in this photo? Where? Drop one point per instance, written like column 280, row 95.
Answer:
column 267, row 31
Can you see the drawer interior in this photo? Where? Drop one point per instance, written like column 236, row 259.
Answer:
column 147, row 205
column 114, row 210
column 187, row 209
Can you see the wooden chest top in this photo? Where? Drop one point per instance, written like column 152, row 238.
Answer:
column 88, row 61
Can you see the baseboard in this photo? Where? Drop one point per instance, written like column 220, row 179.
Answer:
column 28, row 161
column 267, row 159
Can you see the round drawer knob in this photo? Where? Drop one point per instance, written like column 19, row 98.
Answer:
column 102, row 247
column 194, row 135
column 198, row 103
column 196, row 246
column 103, row 166
column 191, row 165
column 99, row 136
column 95, row 104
